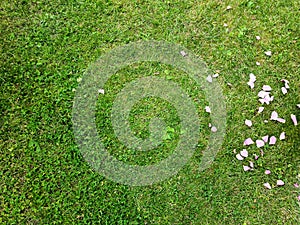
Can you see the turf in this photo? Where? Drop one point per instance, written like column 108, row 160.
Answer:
column 47, row 45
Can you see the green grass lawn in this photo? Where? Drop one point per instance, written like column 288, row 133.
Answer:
column 47, row 45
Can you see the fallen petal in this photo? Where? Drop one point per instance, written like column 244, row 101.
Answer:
column 260, row 143
column 257, row 63
column 280, row 120
column 246, row 168
column 228, row 7
column 209, row 78
column 215, row 75
column 183, row 53
column 283, row 90
column 296, row 185
column 251, row 164
column 298, row 198
column 272, row 140
column 251, row 84
column 256, row 157
column 244, row 153
column 214, row 129
column 282, row 136
column 268, row 53
column 267, row 172
column 262, row 94
column 101, row 91
column 207, row 109
column 260, row 109
column 279, row 183
column 248, row 123
column 265, row 138
column 252, row 77
column 267, row 88
column 225, row 25
column 209, row 125
column 248, row 141
column 239, row 157
column 298, row 105
column 267, row 185
column 294, row 119
column 274, row 115
column 257, row 37
column 262, row 152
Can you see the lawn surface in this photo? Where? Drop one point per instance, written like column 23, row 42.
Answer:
column 45, row 48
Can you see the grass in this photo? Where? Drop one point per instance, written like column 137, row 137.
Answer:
column 47, row 46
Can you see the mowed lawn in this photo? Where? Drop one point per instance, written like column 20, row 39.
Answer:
column 45, row 48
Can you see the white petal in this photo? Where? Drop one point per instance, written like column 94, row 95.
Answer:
column 228, row 7
column 101, row 91
column 280, row 120
column 260, row 109
column 215, row 75
column 262, row 101
column 257, row 37
column 266, row 121
column 267, row 172
column 246, row 168
column 248, row 123
column 225, row 25
column 282, row 136
column 183, row 53
column 260, row 143
column 256, row 157
column 294, row 119
column 209, row 78
column 298, row 105
column 279, row 183
column 239, row 157
column 283, row 90
column 251, row 164
column 244, row 153
column 252, row 77
column 272, row 140
column 265, row 138
column 214, row 129
column 267, row 88
column 274, row 115
column 262, row 94
column 207, row 109
column 257, row 63
column 209, row 125
column 248, row 141
column 268, row 53
column 251, row 84
column 267, row 185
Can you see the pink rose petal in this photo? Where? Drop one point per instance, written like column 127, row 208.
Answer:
column 260, row 109
column 267, row 172
column 265, row 138
column 207, row 109
column 272, row 140
column 248, row 123
column 256, row 157
column 267, row 185
column 282, row 136
column 260, row 143
column 298, row 198
column 294, row 119
column 274, row 115
column 296, row 185
column 214, row 129
column 239, row 157
column 248, row 141
column 283, row 90
column 244, row 153
column 246, row 168
column 267, row 88
column 279, row 183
